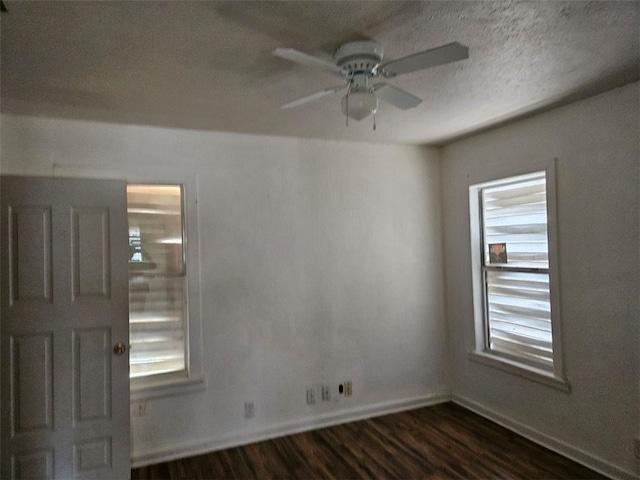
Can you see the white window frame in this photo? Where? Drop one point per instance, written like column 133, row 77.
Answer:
column 192, row 378
column 480, row 351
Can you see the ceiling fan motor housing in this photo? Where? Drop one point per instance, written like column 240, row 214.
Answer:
column 359, row 57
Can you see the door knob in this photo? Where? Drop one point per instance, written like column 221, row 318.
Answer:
column 119, row 348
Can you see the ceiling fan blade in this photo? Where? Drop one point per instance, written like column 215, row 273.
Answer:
column 396, row 96
column 312, row 97
column 309, row 60
column 451, row 52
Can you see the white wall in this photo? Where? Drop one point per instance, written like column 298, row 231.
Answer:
column 596, row 142
column 320, row 262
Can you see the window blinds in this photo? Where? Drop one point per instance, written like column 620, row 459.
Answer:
column 157, row 289
column 156, row 325
column 517, row 303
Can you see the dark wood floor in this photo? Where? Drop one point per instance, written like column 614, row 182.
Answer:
column 443, row 441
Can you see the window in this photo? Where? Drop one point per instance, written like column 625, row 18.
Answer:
column 157, row 280
column 516, row 310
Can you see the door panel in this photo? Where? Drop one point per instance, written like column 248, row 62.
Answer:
column 30, row 264
column 91, row 374
column 64, row 301
column 90, row 252
column 91, row 455
column 37, row 464
column 31, row 386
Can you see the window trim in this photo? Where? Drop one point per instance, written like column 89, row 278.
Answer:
column 191, row 379
column 479, row 351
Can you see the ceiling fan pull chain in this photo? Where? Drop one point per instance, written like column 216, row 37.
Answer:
column 347, row 115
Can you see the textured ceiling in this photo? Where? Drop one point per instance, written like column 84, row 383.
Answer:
column 208, row 65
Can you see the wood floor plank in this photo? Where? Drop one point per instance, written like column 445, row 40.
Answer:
column 444, row 441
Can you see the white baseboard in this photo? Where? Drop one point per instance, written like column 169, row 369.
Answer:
column 288, row 428
column 558, row 446
column 369, row 411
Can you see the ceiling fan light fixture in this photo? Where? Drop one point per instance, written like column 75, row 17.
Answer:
column 359, row 105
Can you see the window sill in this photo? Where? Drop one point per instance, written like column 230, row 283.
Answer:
column 144, row 389
column 524, row 371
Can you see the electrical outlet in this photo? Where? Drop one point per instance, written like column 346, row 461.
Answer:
column 326, row 393
column 140, row 409
column 311, row 396
column 249, row 410
column 348, row 389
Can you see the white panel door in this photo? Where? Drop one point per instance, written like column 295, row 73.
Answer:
column 64, row 306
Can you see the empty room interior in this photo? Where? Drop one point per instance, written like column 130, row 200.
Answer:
column 230, row 222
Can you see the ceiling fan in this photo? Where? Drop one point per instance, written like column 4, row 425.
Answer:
column 358, row 63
